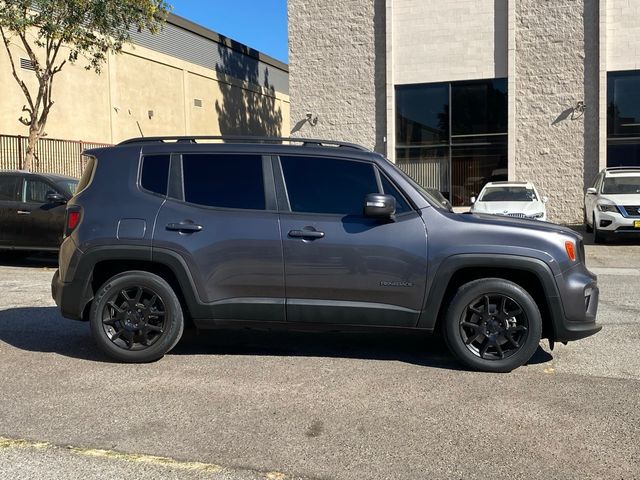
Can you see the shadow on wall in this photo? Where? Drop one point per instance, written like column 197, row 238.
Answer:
column 243, row 111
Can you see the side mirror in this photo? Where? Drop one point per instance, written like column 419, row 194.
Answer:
column 545, row 199
column 473, row 200
column 378, row 205
column 591, row 191
column 53, row 197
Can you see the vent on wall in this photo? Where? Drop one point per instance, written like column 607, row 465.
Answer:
column 27, row 64
column 197, row 102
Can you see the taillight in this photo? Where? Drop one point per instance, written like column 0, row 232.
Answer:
column 73, row 219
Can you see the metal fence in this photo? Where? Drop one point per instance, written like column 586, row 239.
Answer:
column 51, row 156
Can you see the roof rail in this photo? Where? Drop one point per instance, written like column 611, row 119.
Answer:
column 306, row 142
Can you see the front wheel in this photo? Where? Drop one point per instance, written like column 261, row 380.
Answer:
column 587, row 227
column 136, row 317
column 493, row 325
column 598, row 237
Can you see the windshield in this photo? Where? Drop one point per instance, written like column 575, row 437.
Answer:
column 621, row 185
column 508, row 194
column 68, row 186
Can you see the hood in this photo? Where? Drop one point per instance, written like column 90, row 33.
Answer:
column 497, row 220
column 502, row 208
column 622, row 199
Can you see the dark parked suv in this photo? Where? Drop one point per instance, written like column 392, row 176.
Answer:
column 303, row 234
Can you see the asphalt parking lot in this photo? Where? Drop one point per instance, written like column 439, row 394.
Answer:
column 277, row 406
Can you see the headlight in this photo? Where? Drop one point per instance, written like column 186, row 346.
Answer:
column 537, row 215
column 607, row 207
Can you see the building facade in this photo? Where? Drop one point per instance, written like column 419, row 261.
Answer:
column 186, row 80
column 461, row 92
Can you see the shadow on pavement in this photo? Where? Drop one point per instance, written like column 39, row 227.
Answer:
column 44, row 330
column 17, row 259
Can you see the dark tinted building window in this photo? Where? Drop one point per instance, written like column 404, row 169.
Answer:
column 479, row 107
column 328, row 185
column 467, row 143
column 155, row 173
column 422, row 114
column 9, row 188
column 623, row 119
column 227, row 181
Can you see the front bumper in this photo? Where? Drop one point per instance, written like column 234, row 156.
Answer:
column 616, row 223
column 579, row 295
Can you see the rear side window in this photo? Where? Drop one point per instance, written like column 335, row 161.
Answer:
column 226, row 181
column 155, row 173
column 328, row 185
column 36, row 191
column 87, row 174
column 9, row 188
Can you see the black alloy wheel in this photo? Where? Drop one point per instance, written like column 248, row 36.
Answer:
column 494, row 326
column 136, row 317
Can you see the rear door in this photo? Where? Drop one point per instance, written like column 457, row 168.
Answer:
column 349, row 269
column 9, row 203
column 221, row 219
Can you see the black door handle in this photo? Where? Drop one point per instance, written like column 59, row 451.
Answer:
column 306, row 234
column 184, row 227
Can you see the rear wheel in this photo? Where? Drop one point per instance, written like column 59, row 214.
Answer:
column 493, row 325
column 136, row 317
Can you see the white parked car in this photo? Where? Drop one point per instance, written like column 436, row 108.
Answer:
column 612, row 203
column 513, row 199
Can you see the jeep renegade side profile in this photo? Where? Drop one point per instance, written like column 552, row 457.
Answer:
column 293, row 233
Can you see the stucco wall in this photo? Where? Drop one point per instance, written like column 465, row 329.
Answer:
column 337, row 69
column 107, row 107
column 429, row 34
column 556, row 67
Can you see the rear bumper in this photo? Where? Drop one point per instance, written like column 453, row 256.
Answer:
column 71, row 298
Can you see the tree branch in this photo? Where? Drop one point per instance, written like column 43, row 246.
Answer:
column 14, row 71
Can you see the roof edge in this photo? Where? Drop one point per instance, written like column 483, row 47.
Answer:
column 209, row 34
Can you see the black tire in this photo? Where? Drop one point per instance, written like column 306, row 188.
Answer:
column 598, row 237
column 587, row 227
column 136, row 328
column 511, row 339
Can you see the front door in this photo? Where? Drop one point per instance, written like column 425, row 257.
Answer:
column 342, row 267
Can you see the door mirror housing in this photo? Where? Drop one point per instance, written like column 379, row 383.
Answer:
column 378, row 205
column 53, row 197
column 545, row 199
column 473, row 200
column 591, row 191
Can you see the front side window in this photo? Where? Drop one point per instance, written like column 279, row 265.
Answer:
column 328, row 185
column 36, row 191
column 224, row 180
column 621, row 185
column 508, row 194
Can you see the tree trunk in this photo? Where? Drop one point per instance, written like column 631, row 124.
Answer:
column 27, row 162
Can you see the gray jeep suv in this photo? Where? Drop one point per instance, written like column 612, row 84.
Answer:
column 300, row 234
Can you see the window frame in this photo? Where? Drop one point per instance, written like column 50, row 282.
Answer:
column 283, row 195
column 176, row 186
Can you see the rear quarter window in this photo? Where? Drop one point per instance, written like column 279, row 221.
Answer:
column 87, row 174
column 155, row 173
